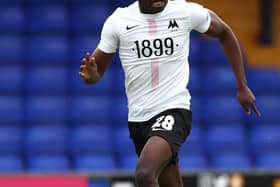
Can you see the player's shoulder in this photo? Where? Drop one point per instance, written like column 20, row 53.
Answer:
column 183, row 7
column 193, row 5
column 185, row 4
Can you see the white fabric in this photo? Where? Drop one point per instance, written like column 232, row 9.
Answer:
column 156, row 77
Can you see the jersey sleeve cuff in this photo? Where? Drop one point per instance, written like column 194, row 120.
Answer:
column 204, row 28
column 106, row 49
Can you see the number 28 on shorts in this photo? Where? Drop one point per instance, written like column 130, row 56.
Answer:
column 164, row 123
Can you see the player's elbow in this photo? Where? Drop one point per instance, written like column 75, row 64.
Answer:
column 91, row 81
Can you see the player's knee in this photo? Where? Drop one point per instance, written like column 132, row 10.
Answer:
column 145, row 177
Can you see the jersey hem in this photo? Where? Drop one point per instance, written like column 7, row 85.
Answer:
column 156, row 113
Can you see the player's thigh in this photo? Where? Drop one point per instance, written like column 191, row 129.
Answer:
column 155, row 156
column 170, row 176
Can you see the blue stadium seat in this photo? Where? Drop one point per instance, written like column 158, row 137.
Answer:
column 224, row 109
column 95, row 163
column 11, row 109
column 232, row 161
column 193, row 162
column 11, row 139
column 46, row 109
column 99, row 183
column 119, row 86
column 48, row 163
column 47, row 80
column 48, row 2
column 88, row 139
column 264, row 138
column 269, row 107
column 121, row 140
column 48, row 50
column 12, row 19
column 122, row 3
column 117, row 65
column 218, row 81
column 103, row 87
column 194, row 143
column 11, row 49
column 270, row 161
column 89, row 19
column 82, row 44
column 195, row 51
column 195, row 82
column 48, row 19
column 120, row 110
column 213, row 53
column 47, row 139
column 264, row 80
column 89, row 2
column 128, row 162
column 91, row 109
column 11, row 80
column 196, row 108
column 225, row 138
column 12, row 2
column 11, row 164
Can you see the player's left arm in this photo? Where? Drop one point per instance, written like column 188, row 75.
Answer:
column 219, row 29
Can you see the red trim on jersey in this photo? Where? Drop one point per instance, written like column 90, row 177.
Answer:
column 155, row 61
column 155, row 73
column 152, row 27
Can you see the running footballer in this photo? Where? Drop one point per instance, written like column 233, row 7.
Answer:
column 153, row 40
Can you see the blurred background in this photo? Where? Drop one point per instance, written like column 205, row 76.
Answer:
column 51, row 122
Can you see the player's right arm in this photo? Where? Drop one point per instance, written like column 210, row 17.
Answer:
column 94, row 66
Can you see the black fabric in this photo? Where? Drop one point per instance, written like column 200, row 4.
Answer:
column 160, row 125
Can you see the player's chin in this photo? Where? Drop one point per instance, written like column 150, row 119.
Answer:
column 158, row 5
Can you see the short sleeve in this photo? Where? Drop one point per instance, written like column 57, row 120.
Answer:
column 200, row 18
column 109, row 36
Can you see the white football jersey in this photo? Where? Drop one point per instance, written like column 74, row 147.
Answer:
column 153, row 50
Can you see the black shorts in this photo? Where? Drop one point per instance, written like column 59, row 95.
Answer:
column 173, row 125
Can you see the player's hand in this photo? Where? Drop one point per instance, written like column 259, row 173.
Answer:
column 88, row 69
column 247, row 100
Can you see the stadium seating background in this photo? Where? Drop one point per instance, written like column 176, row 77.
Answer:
column 50, row 121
